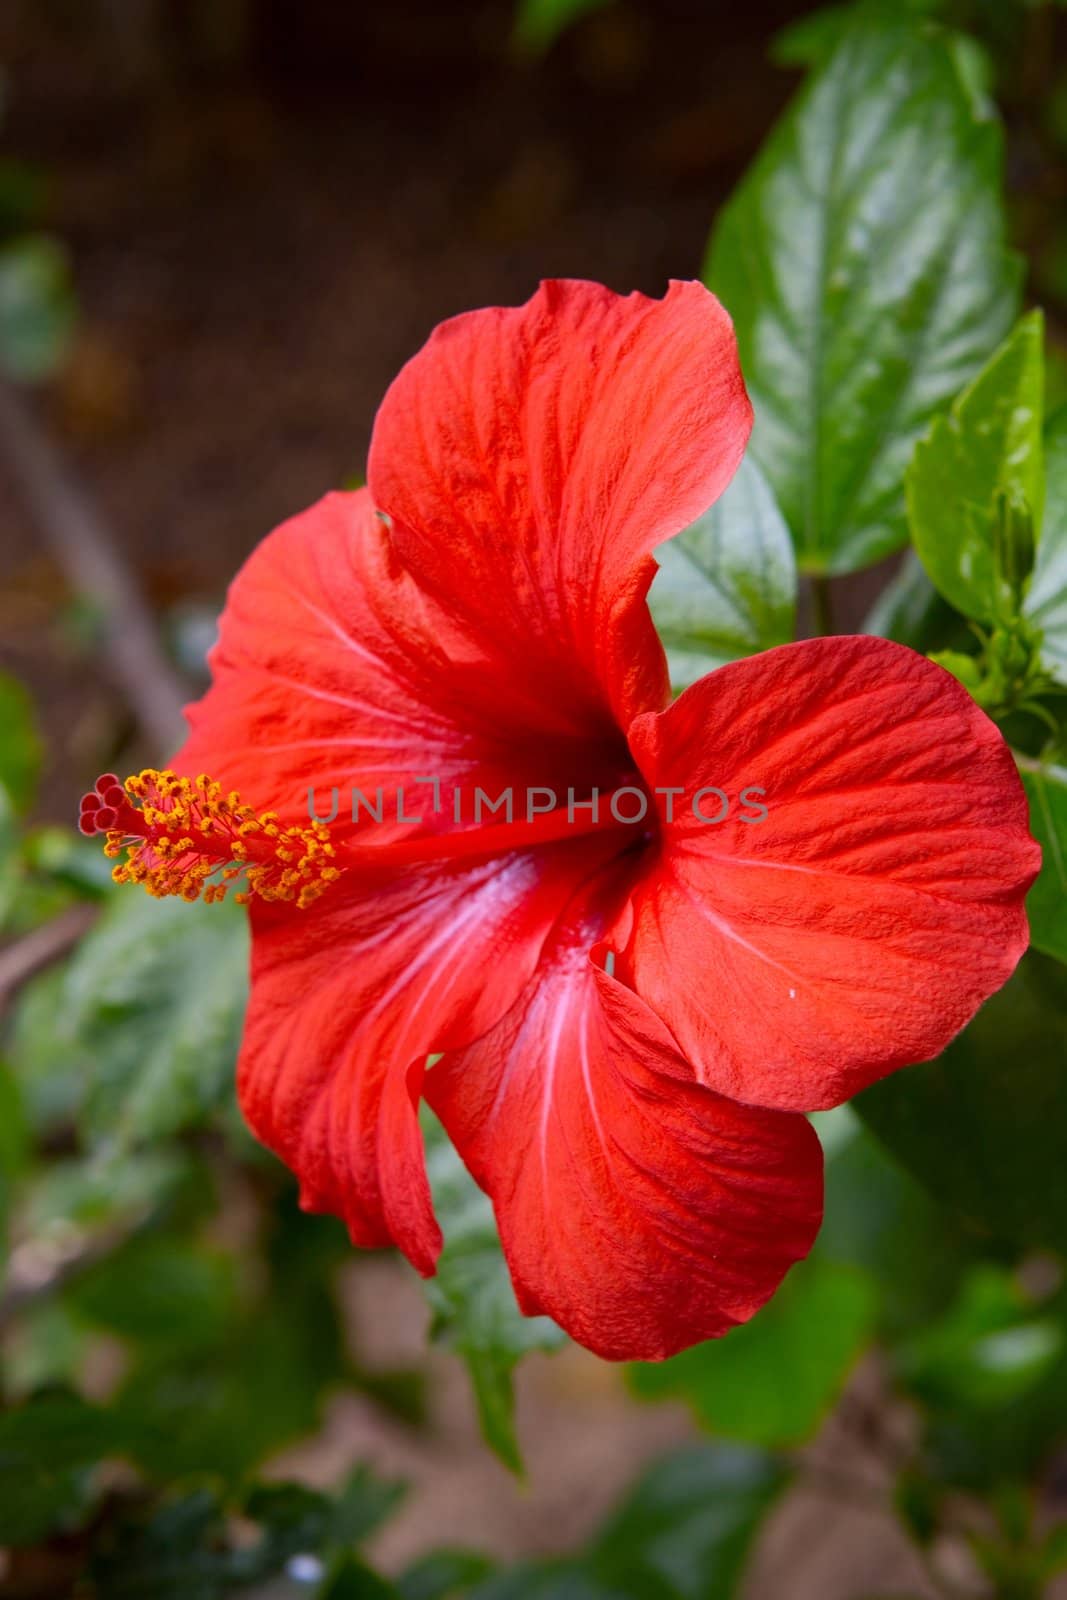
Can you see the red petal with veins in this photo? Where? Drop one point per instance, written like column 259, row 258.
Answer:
column 640, row 1211
column 532, row 458
column 348, row 1000
column 862, row 923
column 334, row 671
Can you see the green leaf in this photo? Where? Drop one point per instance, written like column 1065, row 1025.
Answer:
column 771, row 1381
column 727, row 586
column 150, row 1010
column 991, row 1379
column 986, row 1352
column 21, row 751
column 879, row 1220
column 984, row 1127
column 810, row 40
column 473, row 1303
column 37, row 307
column 159, row 1290
column 1046, row 600
column 685, row 1531
column 990, row 443
column 1046, row 904
column 863, row 261
column 539, row 23
column 223, row 1406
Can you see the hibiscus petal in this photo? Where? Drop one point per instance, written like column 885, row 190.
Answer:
column 639, row 1210
column 532, row 457
column 334, row 672
column 350, row 997
column 861, row 924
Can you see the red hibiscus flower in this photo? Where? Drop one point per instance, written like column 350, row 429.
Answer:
column 630, row 1014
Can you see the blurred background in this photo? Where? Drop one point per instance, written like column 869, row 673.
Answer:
column 224, row 224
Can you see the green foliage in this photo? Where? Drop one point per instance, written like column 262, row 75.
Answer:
column 727, row 585
column 983, row 457
column 146, row 1019
column 185, row 1549
column 1001, row 1088
column 864, row 264
column 879, row 1221
column 221, row 1406
column 772, row 1381
column 473, row 1303
column 683, row 1533
column 49, row 1452
column 991, row 1377
column 987, row 500
column 1046, row 599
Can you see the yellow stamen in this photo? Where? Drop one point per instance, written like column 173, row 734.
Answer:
column 184, row 837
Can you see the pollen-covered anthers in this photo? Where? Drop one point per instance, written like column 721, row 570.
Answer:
column 183, row 836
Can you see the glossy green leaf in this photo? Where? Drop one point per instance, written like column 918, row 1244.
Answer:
column 726, row 586
column 985, row 1125
column 473, row 1302
column 988, row 444
column 1046, row 904
column 21, row 750
column 37, row 308
column 863, row 261
column 772, row 1381
column 1046, row 600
